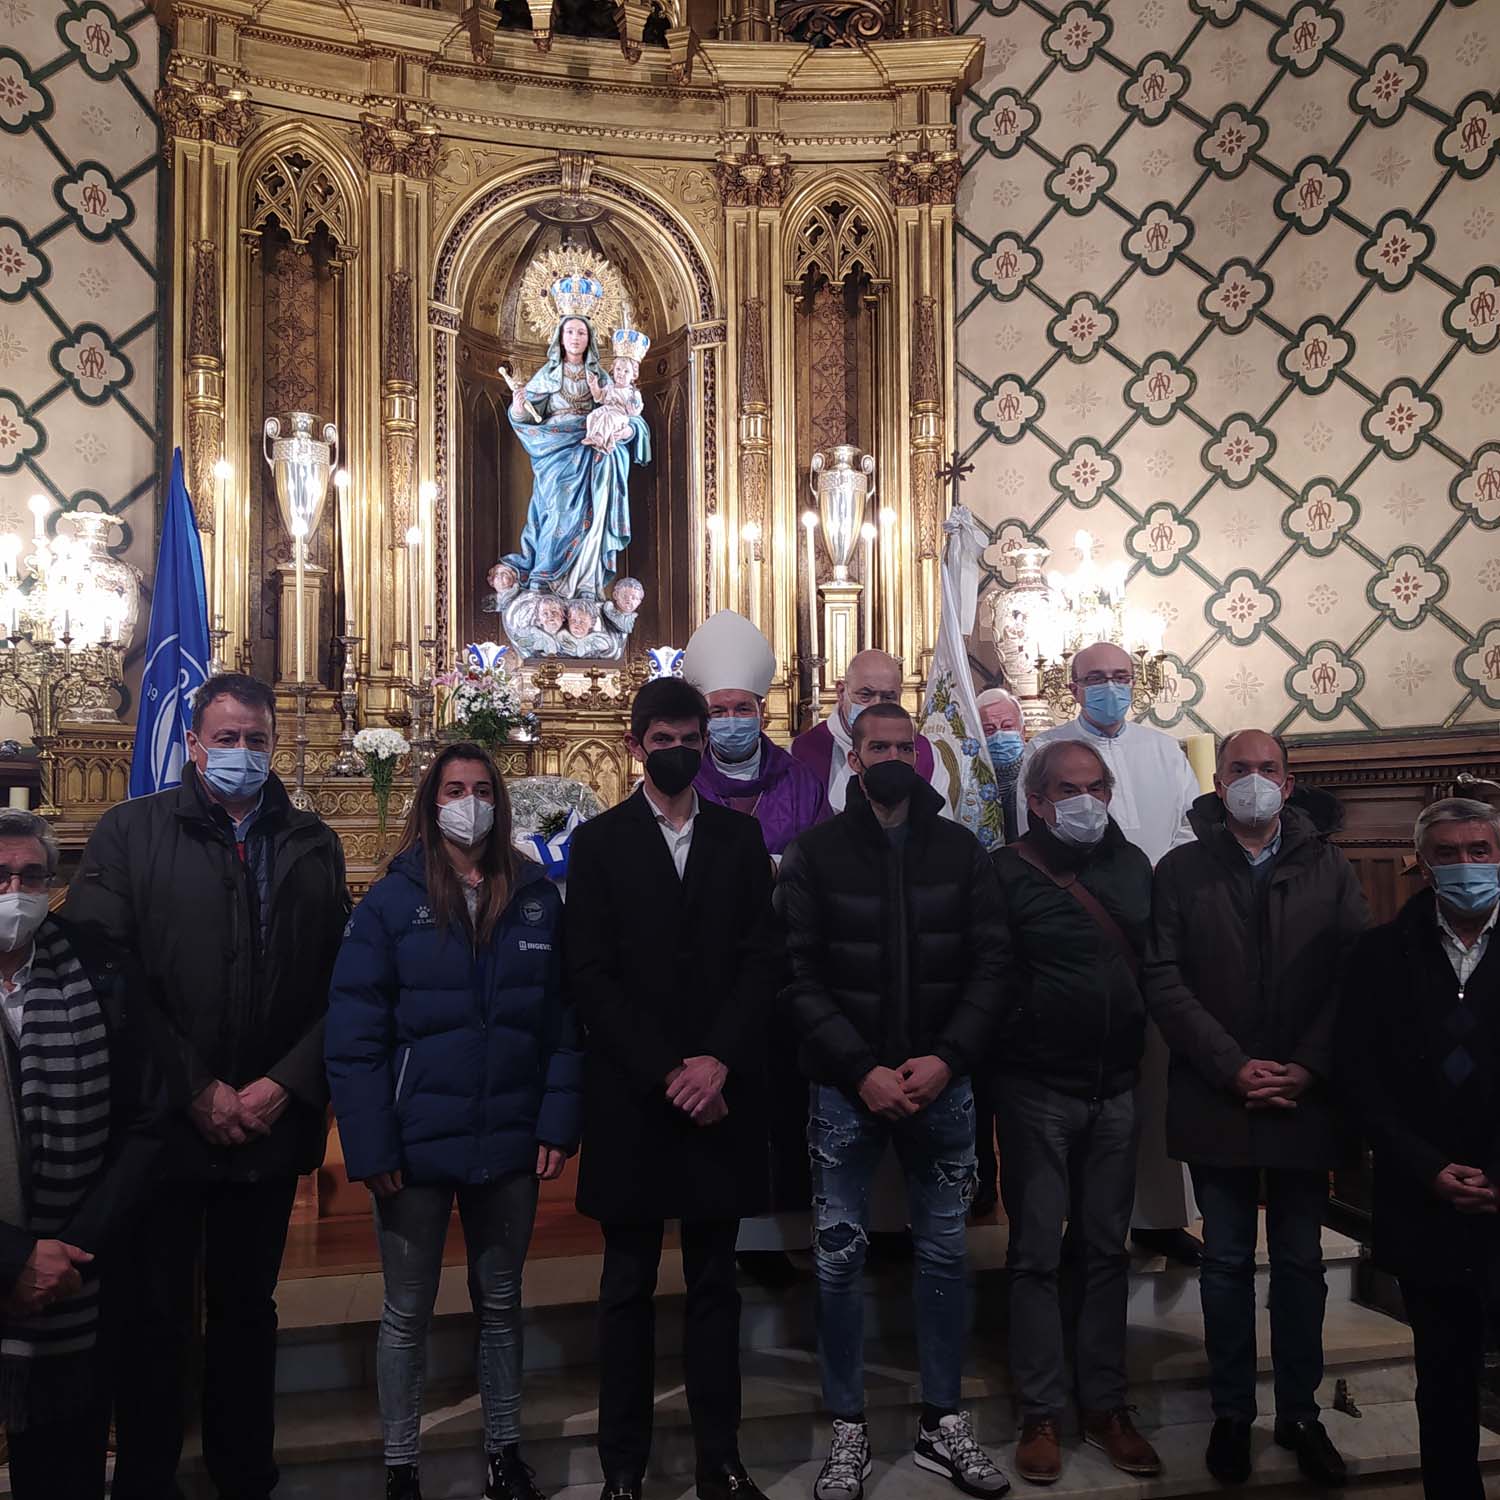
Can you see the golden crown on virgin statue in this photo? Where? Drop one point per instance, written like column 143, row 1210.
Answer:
column 570, row 281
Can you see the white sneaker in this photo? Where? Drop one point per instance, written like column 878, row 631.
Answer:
column 953, row 1452
column 848, row 1465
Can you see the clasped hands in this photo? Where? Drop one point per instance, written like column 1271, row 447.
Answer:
column 1264, row 1084
column 1468, row 1189
column 51, row 1273
column 228, row 1116
column 896, row 1093
column 696, row 1087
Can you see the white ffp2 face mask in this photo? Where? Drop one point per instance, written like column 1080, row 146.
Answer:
column 1081, row 820
column 1253, row 800
column 467, row 821
column 21, row 913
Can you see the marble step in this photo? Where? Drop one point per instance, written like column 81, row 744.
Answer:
column 328, row 1323
column 328, row 1442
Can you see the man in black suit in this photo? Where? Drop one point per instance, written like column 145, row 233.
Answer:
column 671, row 957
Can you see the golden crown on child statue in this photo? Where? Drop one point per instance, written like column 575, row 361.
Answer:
column 630, row 343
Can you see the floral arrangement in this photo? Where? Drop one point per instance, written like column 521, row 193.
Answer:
column 481, row 700
column 380, row 749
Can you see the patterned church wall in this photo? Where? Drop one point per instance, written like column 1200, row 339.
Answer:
column 79, row 272
column 1229, row 301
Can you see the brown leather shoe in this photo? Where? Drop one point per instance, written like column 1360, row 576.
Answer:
column 1114, row 1432
column 1039, row 1453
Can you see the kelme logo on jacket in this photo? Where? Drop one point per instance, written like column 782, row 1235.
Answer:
column 422, row 916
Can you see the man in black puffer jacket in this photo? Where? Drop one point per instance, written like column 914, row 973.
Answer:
column 1077, row 898
column 897, row 947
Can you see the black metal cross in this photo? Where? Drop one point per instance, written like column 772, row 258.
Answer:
column 954, row 473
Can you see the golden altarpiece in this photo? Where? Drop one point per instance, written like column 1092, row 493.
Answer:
column 357, row 192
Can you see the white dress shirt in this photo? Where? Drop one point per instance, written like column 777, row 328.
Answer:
column 13, row 997
column 1464, row 960
column 679, row 840
column 1154, row 784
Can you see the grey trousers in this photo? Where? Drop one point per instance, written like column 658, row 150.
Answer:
column 1066, row 1159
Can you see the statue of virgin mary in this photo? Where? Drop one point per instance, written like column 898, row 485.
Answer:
column 578, row 518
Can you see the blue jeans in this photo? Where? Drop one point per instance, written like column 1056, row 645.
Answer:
column 936, row 1150
column 1295, row 1201
column 413, row 1225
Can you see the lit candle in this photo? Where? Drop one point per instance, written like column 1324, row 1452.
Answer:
column 413, row 590
column 223, row 472
column 888, row 563
column 341, row 490
column 810, row 526
column 38, row 505
column 750, row 536
column 715, row 526
column 20, row 797
column 299, row 544
column 867, row 536
column 427, row 519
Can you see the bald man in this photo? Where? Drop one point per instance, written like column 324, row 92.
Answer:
column 1154, row 789
column 871, row 677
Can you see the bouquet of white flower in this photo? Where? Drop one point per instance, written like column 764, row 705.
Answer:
column 482, row 702
column 380, row 749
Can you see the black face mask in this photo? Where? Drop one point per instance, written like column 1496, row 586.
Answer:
column 890, row 782
column 672, row 771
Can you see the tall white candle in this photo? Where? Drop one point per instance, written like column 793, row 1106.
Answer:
column 223, row 472
column 810, row 526
column 299, row 547
column 414, row 595
column 346, row 545
column 750, row 536
column 427, row 519
column 715, row 528
column 867, row 536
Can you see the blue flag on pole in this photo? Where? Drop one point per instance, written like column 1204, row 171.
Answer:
column 177, row 650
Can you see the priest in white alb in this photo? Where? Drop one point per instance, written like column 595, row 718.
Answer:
column 1154, row 788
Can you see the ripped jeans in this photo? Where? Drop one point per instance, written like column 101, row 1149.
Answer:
column 936, row 1150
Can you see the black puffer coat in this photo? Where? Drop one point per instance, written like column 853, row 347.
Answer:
column 1074, row 1016
column 162, row 881
column 890, row 954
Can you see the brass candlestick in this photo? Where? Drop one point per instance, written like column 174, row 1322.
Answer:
column 347, row 762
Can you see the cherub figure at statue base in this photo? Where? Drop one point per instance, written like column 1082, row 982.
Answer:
column 539, row 623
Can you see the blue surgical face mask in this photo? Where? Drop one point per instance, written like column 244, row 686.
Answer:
column 1107, row 702
column 1006, row 746
column 236, row 774
column 734, row 738
column 852, row 711
column 1471, row 889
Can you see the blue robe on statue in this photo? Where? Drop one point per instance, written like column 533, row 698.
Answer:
column 578, row 519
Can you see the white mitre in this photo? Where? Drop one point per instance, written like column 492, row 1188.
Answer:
column 729, row 652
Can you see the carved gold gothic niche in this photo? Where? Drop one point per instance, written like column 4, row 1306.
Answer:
column 494, row 472
column 297, row 239
column 838, row 282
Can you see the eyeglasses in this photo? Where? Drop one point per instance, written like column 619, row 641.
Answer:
column 33, row 879
column 1124, row 677
column 875, row 695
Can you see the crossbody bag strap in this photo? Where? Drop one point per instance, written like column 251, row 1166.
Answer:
column 1087, row 900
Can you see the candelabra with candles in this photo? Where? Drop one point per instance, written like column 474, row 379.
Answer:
column 1041, row 624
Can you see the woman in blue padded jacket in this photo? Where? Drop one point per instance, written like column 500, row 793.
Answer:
column 455, row 1071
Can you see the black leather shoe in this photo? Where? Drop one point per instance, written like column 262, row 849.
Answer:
column 401, row 1482
column 1177, row 1245
column 621, row 1489
column 1318, row 1459
column 728, row 1481
column 1228, row 1456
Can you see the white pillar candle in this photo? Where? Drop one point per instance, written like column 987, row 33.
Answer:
column 810, row 526
column 750, row 536
column 413, row 594
column 299, row 547
column 867, row 536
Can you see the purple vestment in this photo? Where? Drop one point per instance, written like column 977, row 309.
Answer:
column 785, row 798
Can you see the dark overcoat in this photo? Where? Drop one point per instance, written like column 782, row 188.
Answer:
column 662, row 969
column 1420, row 1067
column 1240, row 968
column 163, row 882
